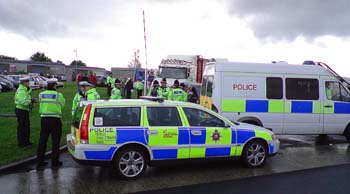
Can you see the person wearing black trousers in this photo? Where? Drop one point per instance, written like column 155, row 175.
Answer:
column 129, row 86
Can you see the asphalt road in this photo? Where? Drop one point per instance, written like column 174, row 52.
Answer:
column 297, row 153
column 326, row 180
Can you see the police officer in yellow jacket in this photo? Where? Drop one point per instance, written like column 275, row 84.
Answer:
column 90, row 91
column 116, row 92
column 79, row 96
column 51, row 105
column 164, row 90
column 177, row 94
column 109, row 81
column 139, row 88
column 23, row 103
column 154, row 92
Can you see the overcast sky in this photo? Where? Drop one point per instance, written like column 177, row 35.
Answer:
column 106, row 33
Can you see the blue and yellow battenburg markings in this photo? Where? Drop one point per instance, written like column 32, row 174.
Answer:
column 176, row 142
column 284, row 106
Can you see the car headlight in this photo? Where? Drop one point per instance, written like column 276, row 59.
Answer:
column 274, row 137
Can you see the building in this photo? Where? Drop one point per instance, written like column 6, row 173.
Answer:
column 51, row 68
column 20, row 66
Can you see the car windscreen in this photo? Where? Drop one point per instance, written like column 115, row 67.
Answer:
column 173, row 72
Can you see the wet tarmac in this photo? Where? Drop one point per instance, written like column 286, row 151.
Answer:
column 297, row 153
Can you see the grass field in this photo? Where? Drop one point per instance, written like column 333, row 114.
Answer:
column 9, row 151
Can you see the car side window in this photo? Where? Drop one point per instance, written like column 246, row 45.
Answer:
column 163, row 116
column 199, row 118
column 336, row 92
column 117, row 116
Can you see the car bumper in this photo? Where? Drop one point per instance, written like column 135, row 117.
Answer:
column 88, row 152
column 274, row 147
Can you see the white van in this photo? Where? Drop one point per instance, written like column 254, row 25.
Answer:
column 289, row 99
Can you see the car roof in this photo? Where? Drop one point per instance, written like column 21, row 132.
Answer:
column 139, row 102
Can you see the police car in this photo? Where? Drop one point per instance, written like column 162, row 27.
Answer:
column 130, row 134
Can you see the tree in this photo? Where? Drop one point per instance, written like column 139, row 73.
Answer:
column 7, row 57
column 38, row 56
column 78, row 63
column 135, row 62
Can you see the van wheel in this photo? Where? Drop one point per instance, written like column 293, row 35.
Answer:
column 254, row 154
column 130, row 163
column 252, row 123
column 347, row 133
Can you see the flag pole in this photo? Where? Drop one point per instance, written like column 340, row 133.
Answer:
column 144, row 35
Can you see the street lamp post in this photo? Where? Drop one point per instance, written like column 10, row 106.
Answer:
column 76, row 63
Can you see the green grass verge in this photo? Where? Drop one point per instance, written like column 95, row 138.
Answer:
column 9, row 151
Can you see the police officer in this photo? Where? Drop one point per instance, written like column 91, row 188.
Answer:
column 51, row 105
column 164, row 90
column 155, row 89
column 177, row 94
column 23, row 103
column 79, row 96
column 109, row 84
column 116, row 92
column 90, row 91
column 139, row 88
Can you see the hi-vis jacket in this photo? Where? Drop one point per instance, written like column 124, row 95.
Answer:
column 22, row 98
column 92, row 94
column 51, row 104
column 177, row 94
column 116, row 94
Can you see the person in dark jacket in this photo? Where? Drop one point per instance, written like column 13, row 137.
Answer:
column 85, row 77
column 129, row 86
column 192, row 95
column 93, row 78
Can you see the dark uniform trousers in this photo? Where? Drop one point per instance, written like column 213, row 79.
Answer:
column 23, row 130
column 139, row 93
column 53, row 126
column 109, row 90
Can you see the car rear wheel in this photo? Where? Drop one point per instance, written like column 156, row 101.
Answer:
column 130, row 163
column 254, row 154
column 347, row 133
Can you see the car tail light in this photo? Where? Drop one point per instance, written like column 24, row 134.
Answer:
column 84, row 129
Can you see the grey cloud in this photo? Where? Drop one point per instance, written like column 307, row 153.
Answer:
column 288, row 19
column 42, row 18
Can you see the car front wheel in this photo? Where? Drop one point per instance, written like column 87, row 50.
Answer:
column 254, row 154
column 130, row 163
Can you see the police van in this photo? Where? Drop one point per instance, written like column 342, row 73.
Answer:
column 289, row 99
column 130, row 134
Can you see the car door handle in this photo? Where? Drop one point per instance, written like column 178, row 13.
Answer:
column 196, row 132
column 153, row 132
column 328, row 106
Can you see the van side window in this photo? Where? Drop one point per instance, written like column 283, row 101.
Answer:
column 274, row 88
column 302, row 89
column 199, row 118
column 336, row 92
column 117, row 116
column 163, row 116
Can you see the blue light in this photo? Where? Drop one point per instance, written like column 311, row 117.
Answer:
column 309, row 63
